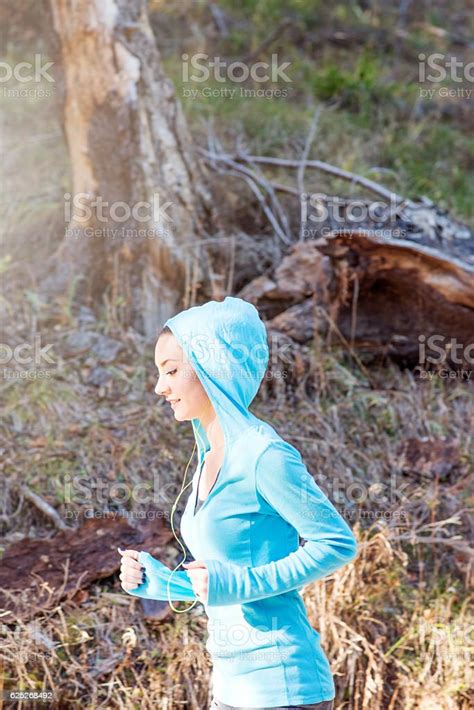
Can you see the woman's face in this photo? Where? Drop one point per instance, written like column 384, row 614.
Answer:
column 178, row 381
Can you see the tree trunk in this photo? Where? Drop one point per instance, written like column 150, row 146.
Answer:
column 135, row 179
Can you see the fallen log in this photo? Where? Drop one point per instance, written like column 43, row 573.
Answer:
column 387, row 296
column 403, row 299
column 388, row 278
column 35, row 575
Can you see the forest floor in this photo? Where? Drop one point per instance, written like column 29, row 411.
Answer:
column 395, row 623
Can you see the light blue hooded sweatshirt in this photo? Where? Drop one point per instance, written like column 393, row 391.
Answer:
column 264, row 651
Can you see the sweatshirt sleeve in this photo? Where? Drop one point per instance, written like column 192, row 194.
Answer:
column 284, row 482
column 157, row 576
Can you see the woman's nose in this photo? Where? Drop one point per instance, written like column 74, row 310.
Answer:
column 159, row 389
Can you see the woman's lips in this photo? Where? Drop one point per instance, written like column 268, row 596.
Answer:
column 173, row 404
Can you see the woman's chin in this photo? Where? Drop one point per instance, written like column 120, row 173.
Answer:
column 179, row 416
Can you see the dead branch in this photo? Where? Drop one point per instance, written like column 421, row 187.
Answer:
column 219, row 19
column 253, row 180
column 273, row 198
column 317, row 165
column 304, row 158
column 257, row 176
column 268, row 41
column 430, row 540
column 45, row 508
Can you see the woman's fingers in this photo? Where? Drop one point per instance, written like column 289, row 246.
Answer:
column 199, row 580
column 129, row 585
column 129, row 582
column 132, row 574
column 129, row 553
column 131, row 571
column 195, row 564
column 128, row 563
column 131, row 578
column 130, row 559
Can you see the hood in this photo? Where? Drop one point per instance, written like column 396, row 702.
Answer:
column 226, row 344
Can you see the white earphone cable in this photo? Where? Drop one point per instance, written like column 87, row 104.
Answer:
column 180, row 611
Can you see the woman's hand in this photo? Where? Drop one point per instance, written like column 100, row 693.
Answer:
column 131, row 571
column 199, row 577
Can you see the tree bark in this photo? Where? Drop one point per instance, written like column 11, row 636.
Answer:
column 129, row 143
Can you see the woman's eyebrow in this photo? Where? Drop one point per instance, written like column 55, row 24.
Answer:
column 167, row 360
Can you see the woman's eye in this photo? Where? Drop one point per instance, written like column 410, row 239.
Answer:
column 171, row 372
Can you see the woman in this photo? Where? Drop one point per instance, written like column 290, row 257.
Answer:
column 252, row 497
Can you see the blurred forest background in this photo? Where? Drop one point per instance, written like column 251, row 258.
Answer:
column 277, row 191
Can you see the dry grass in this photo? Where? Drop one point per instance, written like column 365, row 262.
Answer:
column 387, row 651
column 395, row 623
